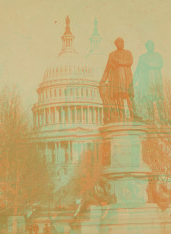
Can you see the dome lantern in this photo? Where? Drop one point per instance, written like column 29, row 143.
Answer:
column 67, row 39
column 95, row 39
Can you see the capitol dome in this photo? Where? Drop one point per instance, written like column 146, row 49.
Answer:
column 68, row 66
column 69, row 95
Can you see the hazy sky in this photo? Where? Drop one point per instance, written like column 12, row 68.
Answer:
column 29, row 38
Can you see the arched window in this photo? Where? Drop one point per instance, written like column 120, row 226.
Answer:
column 82, row 92
column 92, row 93
column 65, row 92
column 87, row 92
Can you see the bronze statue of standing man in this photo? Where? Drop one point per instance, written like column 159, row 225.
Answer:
column 118, row 74
column 149, row 84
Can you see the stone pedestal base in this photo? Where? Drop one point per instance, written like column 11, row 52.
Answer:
column 149, row 220
column 111, row 220
column 123, row 163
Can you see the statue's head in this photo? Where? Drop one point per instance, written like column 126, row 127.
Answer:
column 149, row 46
column 119, row 42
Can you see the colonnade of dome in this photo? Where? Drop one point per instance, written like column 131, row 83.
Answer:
column 63, row 105
column 68, row 114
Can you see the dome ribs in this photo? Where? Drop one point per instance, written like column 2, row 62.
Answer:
column 69, row 70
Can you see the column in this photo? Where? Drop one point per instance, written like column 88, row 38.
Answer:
column 89, row 114
column 69, row 115
column 101, row 115
column 75, row 152
column 94, row 115
column 69, row 151
column 55, row 115
column 47, row 116
column 86, row 114
column 75, row 115
column 38, row 113
column 34, row 119
column 62, row 116
column 82, row 119
column 37, row 120
column 97, row 118
column 58, row 114
column 82, row 153
column 37, row 147
column 45, row 152
column 59, row 152
column 44, row 116
column 79, row 114
column 56, row 153
column 95, row 153
column 41, row 117
column 98, row 114
column 50, row 115
column 89, row 93
column 98, row 152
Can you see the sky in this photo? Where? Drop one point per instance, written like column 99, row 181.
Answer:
column 29, row 38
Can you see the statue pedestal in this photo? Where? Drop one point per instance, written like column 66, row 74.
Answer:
column 122, row 147
column 123, row 162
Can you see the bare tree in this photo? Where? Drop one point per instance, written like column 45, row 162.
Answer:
column 23, row 172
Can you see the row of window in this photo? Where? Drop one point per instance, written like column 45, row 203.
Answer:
column 72, row 92
column 65, row 154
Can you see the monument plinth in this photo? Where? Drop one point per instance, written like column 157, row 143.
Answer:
column 123, row 162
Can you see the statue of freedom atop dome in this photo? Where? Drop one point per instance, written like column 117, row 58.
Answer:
column 120, row 85
column 149, row 84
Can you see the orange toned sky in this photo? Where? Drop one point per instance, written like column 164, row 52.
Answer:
column 29, row 38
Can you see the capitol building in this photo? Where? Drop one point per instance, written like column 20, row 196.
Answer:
column 69, row 111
